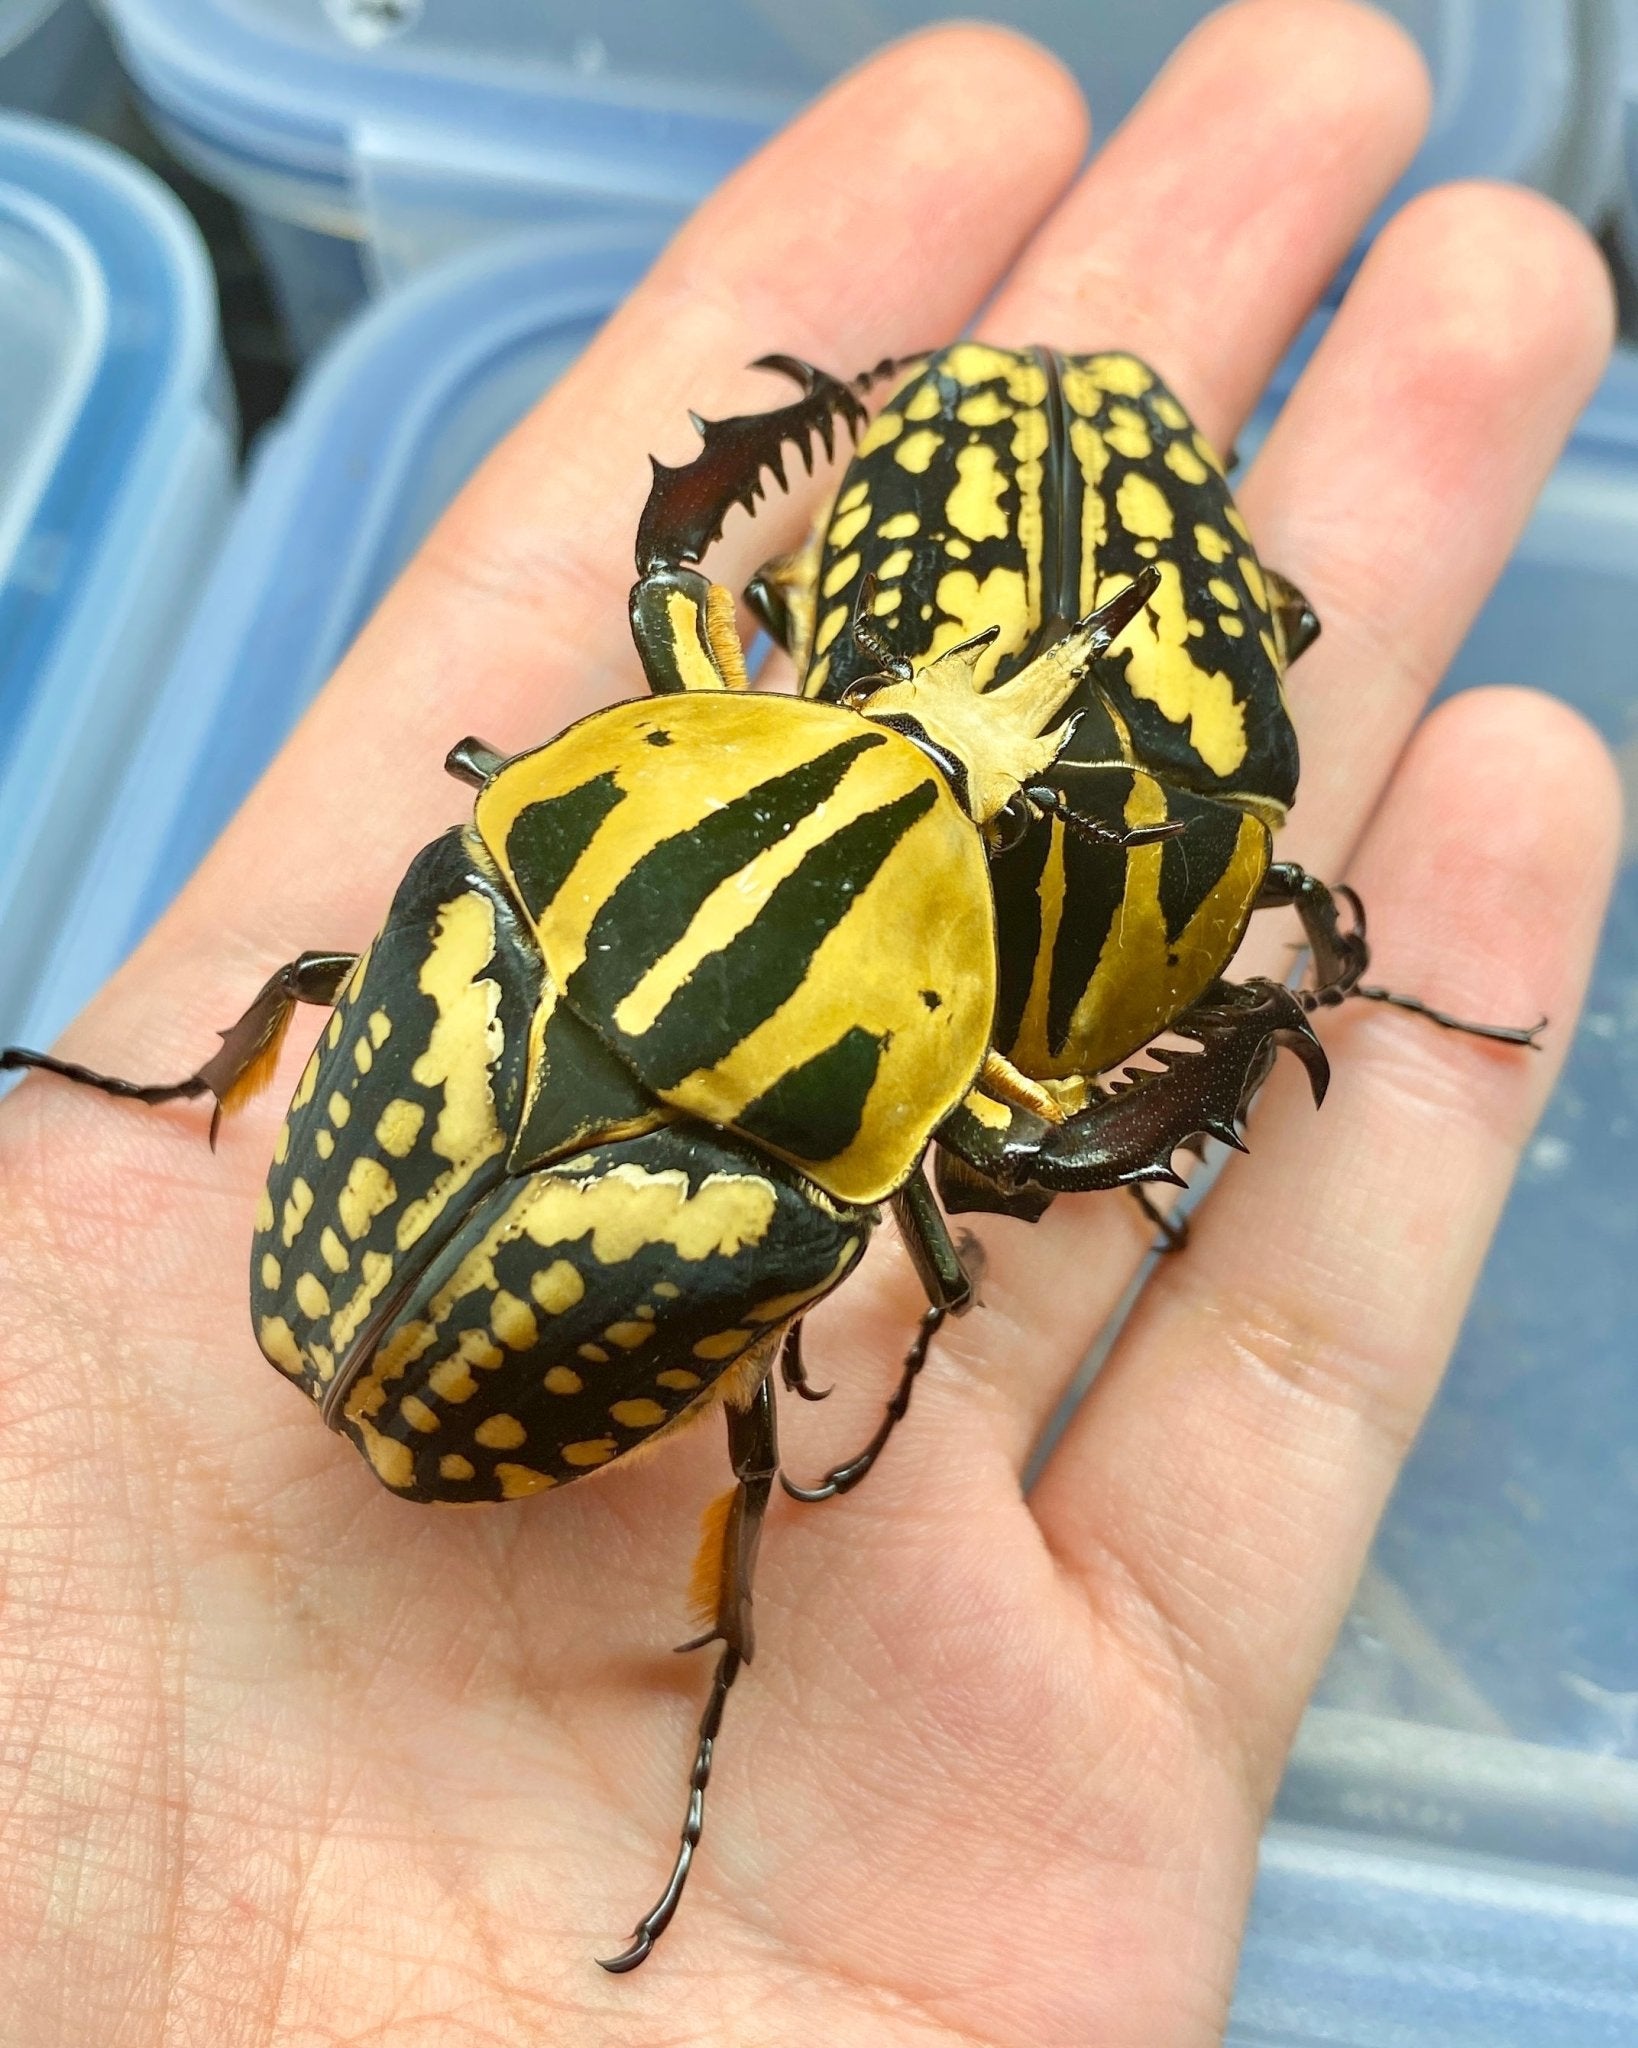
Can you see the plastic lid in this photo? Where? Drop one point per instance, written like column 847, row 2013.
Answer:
column 657, row 103
column 113, row 436
column 302, row 91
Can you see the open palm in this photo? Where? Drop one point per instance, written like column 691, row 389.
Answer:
column 290, row 1761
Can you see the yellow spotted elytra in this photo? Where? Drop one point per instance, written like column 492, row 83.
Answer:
column 617, row 1092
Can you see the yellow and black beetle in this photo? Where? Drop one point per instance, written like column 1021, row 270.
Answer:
column 612, row 1098
column 1006, row 493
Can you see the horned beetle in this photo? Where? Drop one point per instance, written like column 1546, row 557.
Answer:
column 1003, row 494
column 615, row 1095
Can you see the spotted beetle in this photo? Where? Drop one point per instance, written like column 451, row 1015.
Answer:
column 614, row 1096
column 1000, row 494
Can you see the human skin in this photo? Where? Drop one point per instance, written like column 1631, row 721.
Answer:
column 289, row 1762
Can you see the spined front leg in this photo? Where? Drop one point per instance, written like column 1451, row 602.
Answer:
column 1130, row 1135
column 683, row 624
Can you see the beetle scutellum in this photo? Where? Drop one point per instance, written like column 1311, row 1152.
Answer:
column 1006, row 492
column 613, row 1097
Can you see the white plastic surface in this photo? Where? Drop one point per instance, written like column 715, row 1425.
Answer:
column 116, row 461
column 413, row 127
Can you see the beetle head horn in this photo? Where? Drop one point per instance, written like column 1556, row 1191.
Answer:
column 999, row 738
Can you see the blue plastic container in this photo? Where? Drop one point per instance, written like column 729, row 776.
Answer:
column 55, row 58
column 1455, row 1861
column 1626, row 207
column 383, row 433
column 1479, row 1718
column 368, row 138
column 116, row 477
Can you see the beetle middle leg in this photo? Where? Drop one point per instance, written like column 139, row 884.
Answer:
column 245, row 1059
column 1341, row 954
column 942, row 1271
column 753, row 1448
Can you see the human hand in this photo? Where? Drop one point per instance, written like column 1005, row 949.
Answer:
column 295, row 1761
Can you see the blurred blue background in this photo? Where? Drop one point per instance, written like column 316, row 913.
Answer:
column 274, row 276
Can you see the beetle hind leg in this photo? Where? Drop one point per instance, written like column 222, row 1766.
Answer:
column 728, row 1561
column 1342, row 954
column 243, row 1063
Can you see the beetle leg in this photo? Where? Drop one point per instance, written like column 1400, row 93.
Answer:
column 965, row 1190
column 1174, row 1230
column 1296, row 623
column 753, row 1448
column 242, row 1065
column 685, row 632
column 1342, row 956
column 1048, row 802
column 784, row 595
column 1151, row 1112
column 687, row 506
column 939, row 1265
column 943, row 1272
column 793, row 1371
column 1503, row 1034
column 844, row 1477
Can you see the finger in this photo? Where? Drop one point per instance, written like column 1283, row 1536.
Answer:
column 872, row 224
column 1406, row 462
column 1211, row 221
column 1216, row 1494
